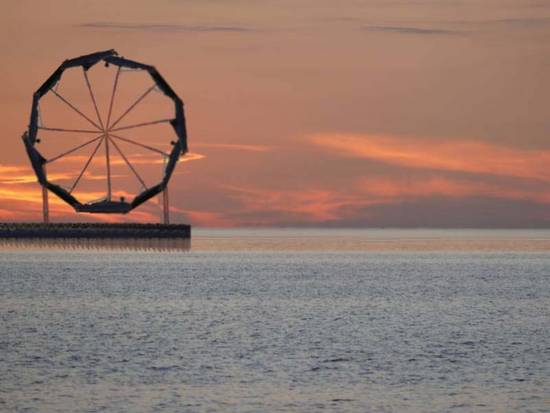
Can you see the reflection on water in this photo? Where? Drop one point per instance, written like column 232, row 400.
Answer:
column 467, row 240
column 126, row 244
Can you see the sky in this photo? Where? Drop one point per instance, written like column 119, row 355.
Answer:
column 316, row 113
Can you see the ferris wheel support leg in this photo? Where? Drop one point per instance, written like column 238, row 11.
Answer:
column 45, row 205
column 166, row 206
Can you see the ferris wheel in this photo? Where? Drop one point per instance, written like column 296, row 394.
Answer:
column 105, row 138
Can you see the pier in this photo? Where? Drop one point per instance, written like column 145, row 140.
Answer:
column 15, row 230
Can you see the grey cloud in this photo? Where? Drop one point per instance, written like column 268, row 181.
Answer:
column 525, row 22
column 411, row 30
column 164, row 27
column 509, row 23
column 441, row 212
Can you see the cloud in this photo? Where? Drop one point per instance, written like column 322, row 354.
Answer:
column 191, row 156
column 522, row 22
column 367, row 194
column 24, row 202
column 33, row 195
column 166, row 28
column 443, row 212
column 205, row 218
column 13, row 169
column 261, row 206
column 399, row 189
column 235, row 146
column 9, row 214
column 16, row 175
column 21, row 196
column 412, row 30
column 136, row 215
column 31, row 178
column 135, row 159
column 462, row 156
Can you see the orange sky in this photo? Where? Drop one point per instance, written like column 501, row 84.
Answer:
column 304, row 113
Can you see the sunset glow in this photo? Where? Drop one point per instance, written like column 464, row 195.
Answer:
column 440, row 154
column 417, row 113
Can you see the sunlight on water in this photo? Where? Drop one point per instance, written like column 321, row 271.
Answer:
column 370, row 240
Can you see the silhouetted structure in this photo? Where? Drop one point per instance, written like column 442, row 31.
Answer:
column 107, row 136
column 93, row 230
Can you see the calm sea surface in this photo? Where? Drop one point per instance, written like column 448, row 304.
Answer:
column 280, row 321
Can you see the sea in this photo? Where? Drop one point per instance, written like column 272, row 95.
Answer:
column 279, row 320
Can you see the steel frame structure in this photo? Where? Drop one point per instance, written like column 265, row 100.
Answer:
column 105, row 133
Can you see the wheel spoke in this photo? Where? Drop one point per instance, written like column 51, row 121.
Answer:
column 128, row 163
column 76, row 110
column 108, row 163
column 93, row 97
column 138, row 125
column 67, row 130
column 113, row 97
column 139, row 144
column 86, row 165
column 132, row 106
column 76, row 148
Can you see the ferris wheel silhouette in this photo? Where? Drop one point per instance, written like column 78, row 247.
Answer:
column 104, row 134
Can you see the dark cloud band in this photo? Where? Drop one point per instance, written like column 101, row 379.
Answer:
column 164, row 27
column 411, row 30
